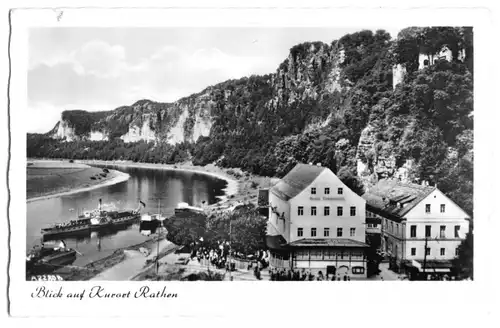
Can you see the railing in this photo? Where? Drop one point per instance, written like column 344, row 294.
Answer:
column 279, row 263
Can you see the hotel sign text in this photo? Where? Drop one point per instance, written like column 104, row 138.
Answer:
column 325, row 198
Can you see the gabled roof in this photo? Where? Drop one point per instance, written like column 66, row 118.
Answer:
column 292, row 184
column 394, row 197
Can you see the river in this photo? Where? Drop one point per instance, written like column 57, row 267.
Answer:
column 163, row 188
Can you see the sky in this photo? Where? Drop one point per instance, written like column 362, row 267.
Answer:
column 104, row 68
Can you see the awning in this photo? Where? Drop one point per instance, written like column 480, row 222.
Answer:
column 276, row 242
column 327, row 242
column 432, row 265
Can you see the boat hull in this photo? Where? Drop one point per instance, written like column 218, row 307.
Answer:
column 51, row 262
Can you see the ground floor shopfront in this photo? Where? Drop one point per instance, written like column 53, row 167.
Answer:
column 337, row 260
column 428, row 270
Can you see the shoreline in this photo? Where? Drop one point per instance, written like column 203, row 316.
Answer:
column 233, row 185
column 242, row 187
column 120, row 177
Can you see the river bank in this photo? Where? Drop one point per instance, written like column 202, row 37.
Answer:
column 124, row 262
column 106, row 267
column 242, row 187
column 48, row 179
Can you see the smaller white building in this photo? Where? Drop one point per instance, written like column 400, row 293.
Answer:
column 421, row 227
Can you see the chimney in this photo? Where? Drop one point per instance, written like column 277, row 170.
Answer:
column 319, row 164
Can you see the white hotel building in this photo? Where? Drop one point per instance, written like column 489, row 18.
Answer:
column 317, row 223
column 421, row 227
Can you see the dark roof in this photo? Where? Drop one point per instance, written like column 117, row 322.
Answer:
column 301, row 176
column 327, row 242
column 395, row 198
column 276, row 242
column 373, row 220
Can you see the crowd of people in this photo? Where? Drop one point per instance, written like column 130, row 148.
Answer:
column 218, row 256
column 303, row 275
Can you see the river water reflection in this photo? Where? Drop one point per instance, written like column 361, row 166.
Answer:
column 154, row 187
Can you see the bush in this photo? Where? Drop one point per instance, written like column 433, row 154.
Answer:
column 210, row 276
column 254, row 184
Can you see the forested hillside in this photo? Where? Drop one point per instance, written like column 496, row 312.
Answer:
column 332, row 104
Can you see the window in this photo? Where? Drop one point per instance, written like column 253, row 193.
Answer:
column 353, row 211
column 442, row 230
column 313, row 232
column 340, row 191
column 313, row 191
column 356, row 256
column 358, row 270
column 457, row 231
column 426, row 62
column 413, row 251
column 427, row 251
column 442, row 208
column 300, row 232
column 352, row 232
column 339, row 232
column 427, row 230
column 413, row 231
column 427, row 208
column 326, row 232
column 397, row 229
column 300, row 210
column 456, row 251
column 326, row 211
column 316, row 254
column 327, row 191
column 302, row 255
column 329, row 254
column 313, row 210
column 340, row 211
column 442, row 252
column 392, row 226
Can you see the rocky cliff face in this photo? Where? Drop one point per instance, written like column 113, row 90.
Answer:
column 331, row 103
column 183, row 121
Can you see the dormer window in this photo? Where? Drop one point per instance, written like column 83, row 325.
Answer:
column 313, row 191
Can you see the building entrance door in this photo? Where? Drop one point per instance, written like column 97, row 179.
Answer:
column 330, row 269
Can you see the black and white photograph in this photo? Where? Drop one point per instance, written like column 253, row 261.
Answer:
column 250, row 153
column 270, row 152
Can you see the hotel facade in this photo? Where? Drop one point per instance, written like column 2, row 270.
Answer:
column 316, row 223
column 421, row 227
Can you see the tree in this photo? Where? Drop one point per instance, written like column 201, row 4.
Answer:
column 464, row 262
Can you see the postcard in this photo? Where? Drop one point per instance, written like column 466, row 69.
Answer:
column 227, row 157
